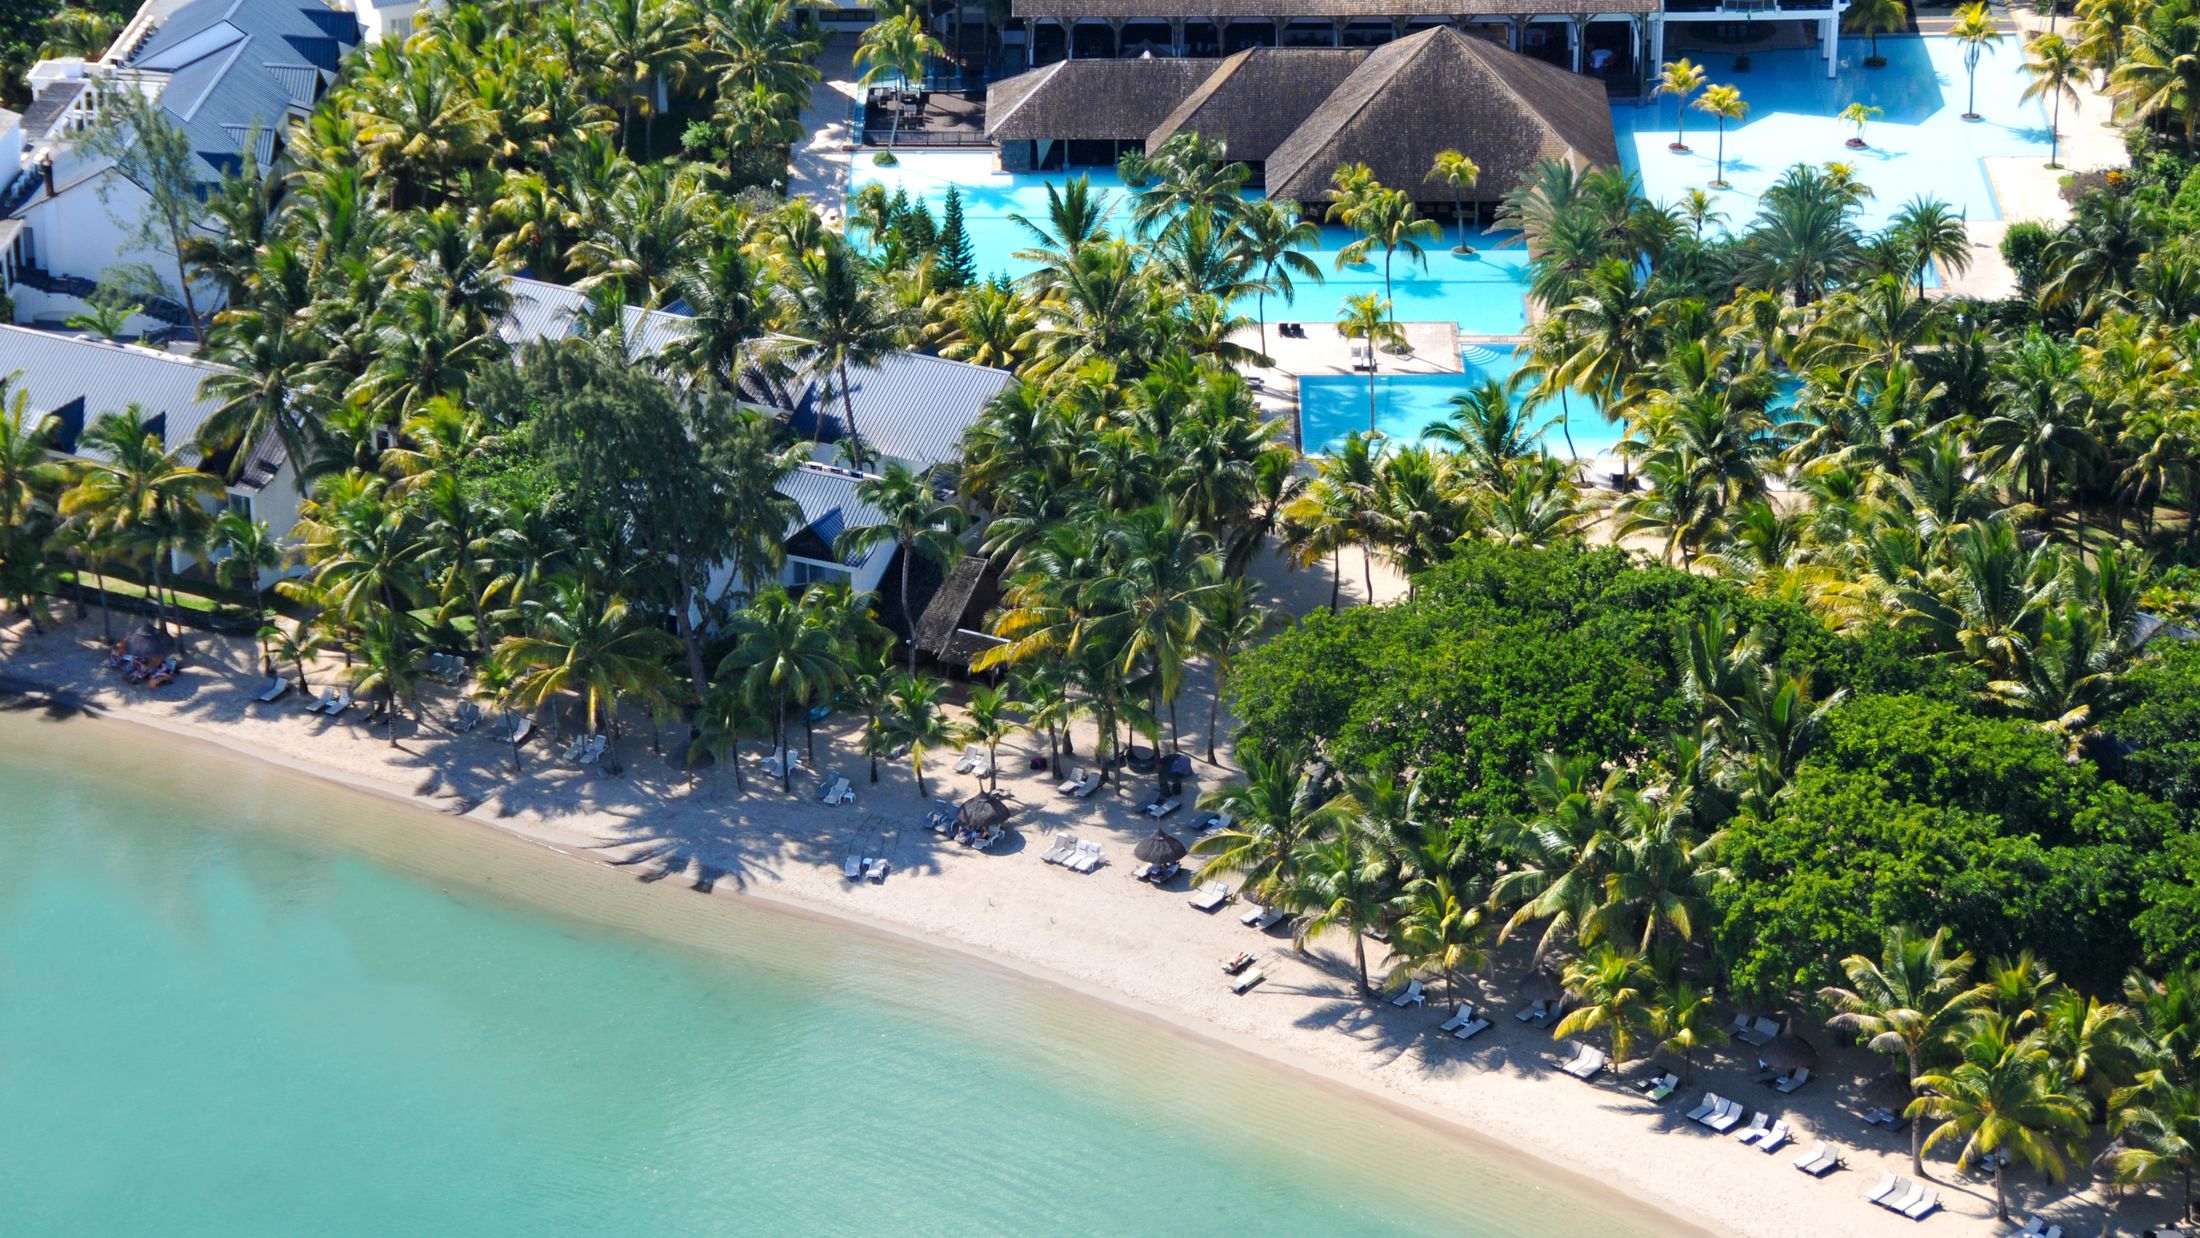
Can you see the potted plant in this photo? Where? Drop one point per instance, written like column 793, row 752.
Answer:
column 1858, row 115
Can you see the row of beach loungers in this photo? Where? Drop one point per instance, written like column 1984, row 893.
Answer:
column 975, row 762
column 1083, row 783
column 1898, row 1194
column 1071, row 853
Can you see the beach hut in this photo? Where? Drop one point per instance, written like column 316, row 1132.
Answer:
column 1788, row 1052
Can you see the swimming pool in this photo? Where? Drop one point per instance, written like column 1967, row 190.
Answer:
column 1921, row 146
column 1334, row 405
column 1486, row 294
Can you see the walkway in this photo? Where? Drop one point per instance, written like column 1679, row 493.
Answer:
column 819, row 170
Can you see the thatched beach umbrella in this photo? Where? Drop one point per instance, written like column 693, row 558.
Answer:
column 147, row 643
column 1162, row 848
column 1890, row 1089
column 1178, row 766
column 1542, row 986
column 984, row 812
column 1788, row 1051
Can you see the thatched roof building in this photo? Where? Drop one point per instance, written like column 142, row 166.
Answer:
column 1255, row 99
column 1437, row 89
column 1302, row 112
column 1090, row 100
column 1290, row 9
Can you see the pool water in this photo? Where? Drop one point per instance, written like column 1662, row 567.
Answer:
column 1334, row 405
column 1920, row 147
column 1486, row 294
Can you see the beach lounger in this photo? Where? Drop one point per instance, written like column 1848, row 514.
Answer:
column 342, row 703
column 321, row 703
column 1891, row 1187
column 1921, row 1207
column 1757, row 1126
column 1162, row 808
column 1788, row 1083
column 1231, row 967
column 573, row 750
column 1536, row 1013
column 1739, row 1027
column 1090, row 785
column 879, row 869
column 1585, row 1064
column 1247, row 981
column 1267, row 918
column 1820, row 1160
column 1064, row 846
column 1761, row 1032
column 274, row 690
column 1773, row 1139
column 1728, row 1118
column 1662, row 1088
column 1253, row 911
column 592, row 749
column 983, row 767
column 1074, row 783
column 1411, row 997
column 1460, row 1018
column 1709, row 1105
column 968, row 760
column 1143, row 871
column 1211, row 896
column 1472, row 1030
column 1087, row 858
column 2038, row 1227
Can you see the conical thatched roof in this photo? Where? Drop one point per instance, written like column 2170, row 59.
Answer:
column 1088, row 100
column 1257, row 97
column 1438, row 89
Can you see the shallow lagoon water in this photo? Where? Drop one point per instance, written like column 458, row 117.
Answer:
column 238, row 1001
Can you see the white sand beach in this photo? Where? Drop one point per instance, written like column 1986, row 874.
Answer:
column 1102, row 933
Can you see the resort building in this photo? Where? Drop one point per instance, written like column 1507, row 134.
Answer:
column 231, row 74
column 1618, row 41
column 910, row 408
column 1295, row 114
column 76, row 380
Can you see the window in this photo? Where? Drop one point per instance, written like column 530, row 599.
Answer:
column 398, row 30
column 811, row 572
column 240, row 504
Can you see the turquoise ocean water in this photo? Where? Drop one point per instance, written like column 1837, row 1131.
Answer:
column 237, row 1001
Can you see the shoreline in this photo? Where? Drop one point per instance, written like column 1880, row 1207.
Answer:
column 1307, row 1071
column 1140, row 951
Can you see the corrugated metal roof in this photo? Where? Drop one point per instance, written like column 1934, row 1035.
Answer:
column 910, row 406
column 545, row 311
column 240, row 64
column 58, row 371
column 829, row 506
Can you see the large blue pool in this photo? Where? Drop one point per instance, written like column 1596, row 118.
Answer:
column 1485, row 294
column 1334, row 405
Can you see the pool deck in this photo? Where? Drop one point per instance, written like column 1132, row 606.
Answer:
column 1431, row 348
column 831, row 125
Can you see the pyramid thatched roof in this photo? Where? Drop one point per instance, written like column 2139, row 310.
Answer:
column 1288, row 9
column 1082, row 100
column 1437, row 89
column 1256, row 98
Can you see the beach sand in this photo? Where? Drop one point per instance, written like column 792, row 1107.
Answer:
column 1101, row 933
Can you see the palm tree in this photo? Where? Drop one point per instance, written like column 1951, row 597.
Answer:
column 1367, row 317
column 1269, row 236
column 915, row 519
column 1611, row 989
column 898, row 46
column 2158, row 74
column 1166, row 568
column 585, row 640
column 1560, row 856
column 641, row 43
column 1934, row 234
column 1337, row 883
column 2042, row 416
column 846, row 316
column 1976, row 30
column 782, row 653
column 1275, row 808
column 2156, row 1121
column 1488, row 431
column 248, row 549
column 1454, row 169
column 1725, row 103
column 1235, row 622
column 918, row 719
column 728, row 715
column 986, row 721
column 1683, row 1019
column 140, row 493
column 1914, row 1000
column 1384, row 218
column 386, row 660
column 2006, row 1102
column 1872, row 17
column 1439, row 928
column 2052, row 64
column 1680, row 79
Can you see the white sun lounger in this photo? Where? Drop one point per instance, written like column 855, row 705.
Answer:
column 1460, row 1018
column 1536, row 1013
column 1918, row 1208
column 968, row 760
column 1728, row 1118
column 1267, row 918
column 1821, row 1157
column 593, row 749
column 1774, row 1138
column 1789, row 1083
column 340, row 704
column 276, row 686
column 879, row 868
column 1664, row 1087
column 1247, row 979
column 1709, row 1105
column 1761, row 1032
column 1064, row 846
column 1892, row 1187
column 1211, row 896
column 2037, row 1227
column 1087, row 857
column 982, row 767
column 1090, row 785
column 321, row 703
column 1585, row 1063
column 1472, row 1030
column 1757, row 1126
column 1411, row 997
